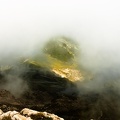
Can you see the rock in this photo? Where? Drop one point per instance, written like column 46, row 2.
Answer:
column 39, row 115
column 8, row 115
column 27, row 114
column 1, row 112
column 71, row 74
column 20, row 117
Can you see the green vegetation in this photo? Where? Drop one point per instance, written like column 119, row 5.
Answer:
column 61, row 48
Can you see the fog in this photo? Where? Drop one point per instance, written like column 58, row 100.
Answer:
column 95, row 25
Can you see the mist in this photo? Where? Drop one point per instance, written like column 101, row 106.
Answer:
column 14, row 85
column 26, row 25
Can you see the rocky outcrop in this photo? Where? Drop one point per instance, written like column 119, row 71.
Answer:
column 68, row 73
column 28, row 114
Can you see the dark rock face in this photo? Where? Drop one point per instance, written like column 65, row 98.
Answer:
column 48, row 92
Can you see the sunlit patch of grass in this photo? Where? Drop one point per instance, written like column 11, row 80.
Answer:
column 67, row 70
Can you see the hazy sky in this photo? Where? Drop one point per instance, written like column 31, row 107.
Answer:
column 94, row 23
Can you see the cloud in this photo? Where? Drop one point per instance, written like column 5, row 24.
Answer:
column 27, row 24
